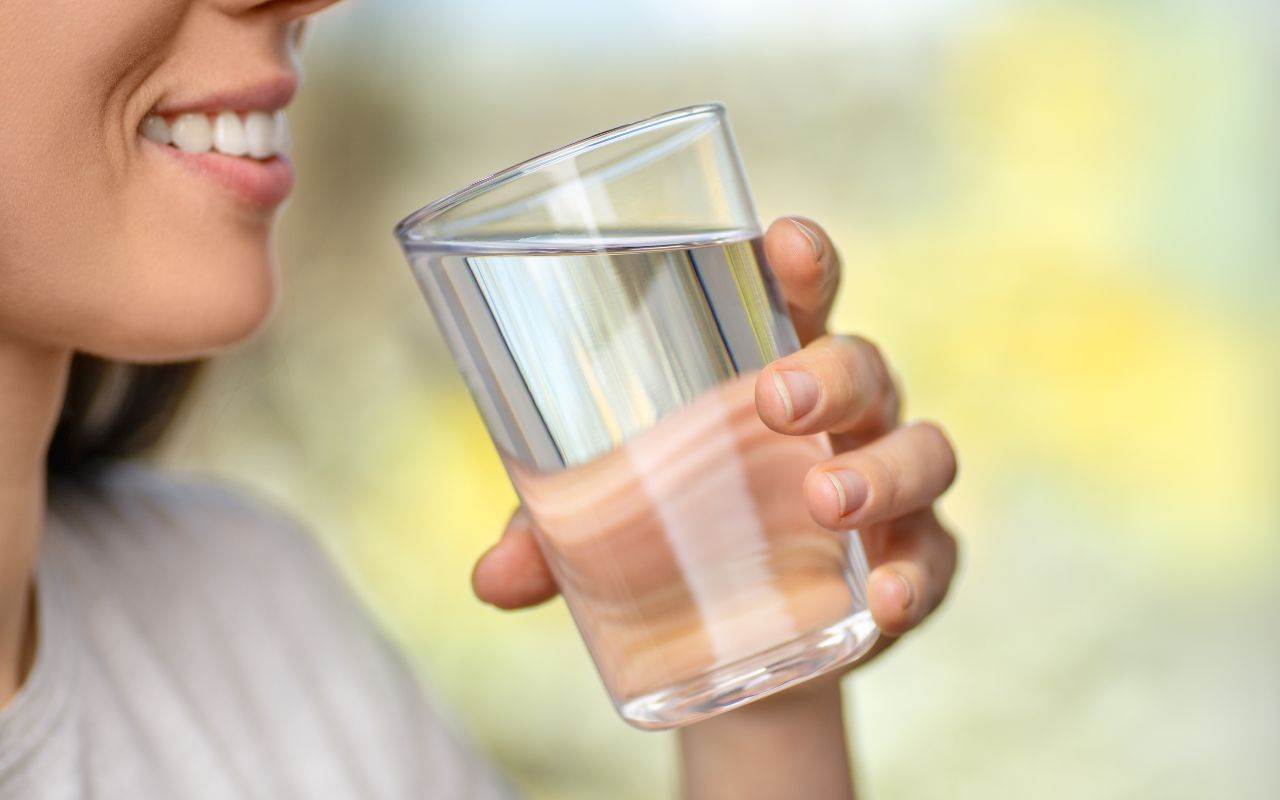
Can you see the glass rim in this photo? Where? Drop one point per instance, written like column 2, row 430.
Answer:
column 516, row 171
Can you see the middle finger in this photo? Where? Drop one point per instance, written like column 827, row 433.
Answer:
column 837, row 384
column 901, row 472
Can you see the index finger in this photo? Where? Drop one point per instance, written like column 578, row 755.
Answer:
column 805, row 263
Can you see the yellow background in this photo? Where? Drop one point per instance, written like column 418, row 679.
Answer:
column 1059, row 220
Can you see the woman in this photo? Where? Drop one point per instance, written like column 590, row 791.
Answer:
column 167, row 638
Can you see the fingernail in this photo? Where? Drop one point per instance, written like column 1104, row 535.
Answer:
column 851, row 490
column 815, row 241
column 798, row 391
column 900, row 591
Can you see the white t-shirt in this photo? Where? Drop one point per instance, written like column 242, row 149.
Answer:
column 195, row 645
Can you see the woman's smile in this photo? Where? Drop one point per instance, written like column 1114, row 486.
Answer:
column 239, row 138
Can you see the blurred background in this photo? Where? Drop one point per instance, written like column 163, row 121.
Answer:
column 1058, row 218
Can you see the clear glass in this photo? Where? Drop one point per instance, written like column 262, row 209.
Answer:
column 609, row 306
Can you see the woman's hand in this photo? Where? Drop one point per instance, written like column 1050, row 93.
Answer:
column 882, row 481
column 884, row 477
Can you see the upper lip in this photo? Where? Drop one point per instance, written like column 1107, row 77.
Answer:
column 267, row 95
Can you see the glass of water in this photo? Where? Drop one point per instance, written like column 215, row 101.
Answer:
column 609, row 306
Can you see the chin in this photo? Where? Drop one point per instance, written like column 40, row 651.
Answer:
column 196, row 320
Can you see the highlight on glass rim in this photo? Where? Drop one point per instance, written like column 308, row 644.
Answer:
column 848, row 401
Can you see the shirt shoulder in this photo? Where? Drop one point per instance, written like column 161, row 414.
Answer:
column 185, row 581
column 189, row 559
column 162, row 516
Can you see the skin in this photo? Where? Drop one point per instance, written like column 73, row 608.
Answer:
column 793, row 744
column 109, row 246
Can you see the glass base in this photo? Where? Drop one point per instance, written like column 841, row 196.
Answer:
column 752, row 678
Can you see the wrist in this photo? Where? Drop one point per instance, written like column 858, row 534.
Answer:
column 771, row 747
column 820, row 697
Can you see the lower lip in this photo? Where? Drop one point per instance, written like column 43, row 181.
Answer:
column 265, row 183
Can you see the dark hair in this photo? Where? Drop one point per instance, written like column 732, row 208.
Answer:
column 115, row 410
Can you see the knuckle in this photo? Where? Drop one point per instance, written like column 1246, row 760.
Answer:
column 846, row 364
column 826, row 353
column 872, row 353
column 845, row 341
column 859, row 392
column 878, row 375
column 832, row 375
column 939, row 447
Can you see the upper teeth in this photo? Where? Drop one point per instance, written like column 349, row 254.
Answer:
column 258, row 134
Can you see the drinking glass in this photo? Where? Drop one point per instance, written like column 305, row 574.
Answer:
column 609, row 306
